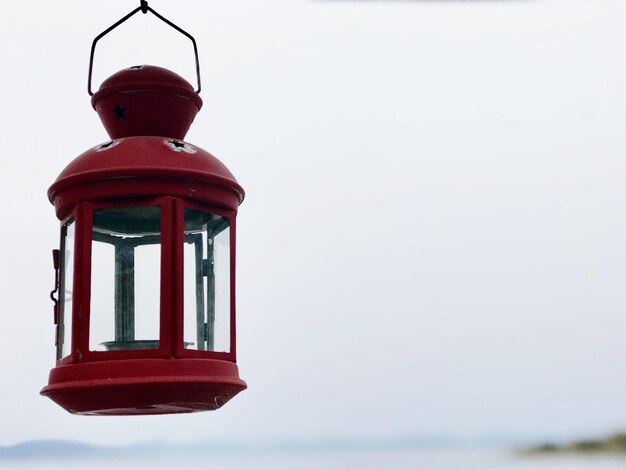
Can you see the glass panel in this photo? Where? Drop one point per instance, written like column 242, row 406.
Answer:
column 207, row 282
column 125, row 279
column 66, row 281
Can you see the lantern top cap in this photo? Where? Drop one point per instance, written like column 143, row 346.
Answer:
column 146, row 100
column 151, row 76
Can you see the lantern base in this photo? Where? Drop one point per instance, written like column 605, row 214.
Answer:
column 143, row 386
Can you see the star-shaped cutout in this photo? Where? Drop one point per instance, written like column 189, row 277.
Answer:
column 179, row 146
column 107, row 145
column 119, row 112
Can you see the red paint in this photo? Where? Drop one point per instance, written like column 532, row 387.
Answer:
column 146, row 164
column 146, row 100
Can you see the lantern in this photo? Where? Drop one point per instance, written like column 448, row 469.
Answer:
column 145, row 294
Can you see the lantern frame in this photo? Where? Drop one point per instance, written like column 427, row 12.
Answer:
column 171, row 280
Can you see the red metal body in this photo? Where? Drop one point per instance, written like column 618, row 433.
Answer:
column 147, row 111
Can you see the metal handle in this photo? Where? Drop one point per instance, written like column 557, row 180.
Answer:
column 144, row 8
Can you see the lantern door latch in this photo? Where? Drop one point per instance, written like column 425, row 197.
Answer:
column 207, row 267
column 56, row 261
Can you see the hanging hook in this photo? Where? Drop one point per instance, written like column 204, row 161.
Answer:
column 144, row 8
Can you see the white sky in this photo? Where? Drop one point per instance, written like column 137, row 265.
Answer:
column 433, row 236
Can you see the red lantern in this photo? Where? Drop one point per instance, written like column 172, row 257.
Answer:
column 145, row 313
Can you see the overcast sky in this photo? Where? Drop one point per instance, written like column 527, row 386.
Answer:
column 432, row 241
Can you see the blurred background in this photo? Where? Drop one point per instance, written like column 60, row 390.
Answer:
column 432, row 241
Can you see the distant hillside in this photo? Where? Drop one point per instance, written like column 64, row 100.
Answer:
column 51, row 449
column 615, row 443
column 58, row 449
